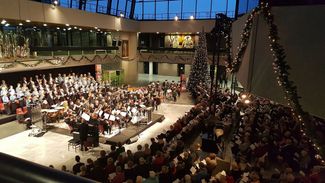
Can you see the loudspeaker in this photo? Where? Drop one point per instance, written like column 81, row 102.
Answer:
column 114, row 43
column 119, row 43
column 118, row 73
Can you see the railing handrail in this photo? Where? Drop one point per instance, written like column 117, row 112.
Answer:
column 15, row 170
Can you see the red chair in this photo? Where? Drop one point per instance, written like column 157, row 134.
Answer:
column 2, row 108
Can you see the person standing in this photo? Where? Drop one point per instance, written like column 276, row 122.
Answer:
column 83, row 130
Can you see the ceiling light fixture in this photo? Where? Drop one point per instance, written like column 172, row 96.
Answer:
column 67, row 25
column 56, row 2
column 28, row 21
column 3, row 22
column 20, row 24
column 80, row 29
column 58, row 28
column 44, row 25
column 7, row 24
column 75, row 27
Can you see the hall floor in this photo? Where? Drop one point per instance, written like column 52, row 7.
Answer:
column 52, row 147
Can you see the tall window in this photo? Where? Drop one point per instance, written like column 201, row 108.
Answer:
column 138, row 10
column 161, row 10
column 102, row 6
column 175, row 9
column 203, row 9
column 149, row 9
column 121, row 7
column 188, row 8
column 114, row 7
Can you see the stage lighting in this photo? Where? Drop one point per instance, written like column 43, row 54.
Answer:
column 56, row 2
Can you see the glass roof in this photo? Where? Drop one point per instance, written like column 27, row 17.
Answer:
column 161, row 9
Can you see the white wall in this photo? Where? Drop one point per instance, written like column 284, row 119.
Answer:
column 301, row 31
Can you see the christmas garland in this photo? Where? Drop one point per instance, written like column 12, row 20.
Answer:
column 61, row 61
column 280, row 67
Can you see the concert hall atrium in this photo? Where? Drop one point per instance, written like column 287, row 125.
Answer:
column 162, row 91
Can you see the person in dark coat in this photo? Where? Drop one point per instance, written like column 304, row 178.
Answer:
column 83, row 130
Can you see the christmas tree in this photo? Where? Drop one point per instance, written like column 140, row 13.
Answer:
column 199, row 70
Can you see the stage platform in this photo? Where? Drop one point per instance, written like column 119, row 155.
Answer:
column 124, row 136
column 132, row 131
column 7, row 118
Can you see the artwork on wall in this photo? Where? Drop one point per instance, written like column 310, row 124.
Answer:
column 13, row 45
column 179, row 41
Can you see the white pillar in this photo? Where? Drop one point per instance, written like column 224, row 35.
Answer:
column 150, row 71
column 150, row 68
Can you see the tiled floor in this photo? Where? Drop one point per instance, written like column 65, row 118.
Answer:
column 52, row 148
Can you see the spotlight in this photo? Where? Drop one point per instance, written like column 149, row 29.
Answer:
column 176, row 18
column 44, row 25
column 56, row 2
column 157, row 32
column 244, row 96
column 3, row 22
column 64, row 29
column 96, row 27
column 121, row 15
column 7, row 24
column 28, row 21
column 80, row 29
column 58, row 28
column 69, row 28
column 91, row 31
column 20, row 24
column 192, row 17
column 247, row 101
column 75, row 27
column 67, row 25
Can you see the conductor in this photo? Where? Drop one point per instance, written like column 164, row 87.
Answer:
column 83, row 130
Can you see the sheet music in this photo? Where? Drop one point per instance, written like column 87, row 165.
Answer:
column 123, row 114
column 112, row 118
column 106, row 116
column 85, row 116
column 100, row 113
